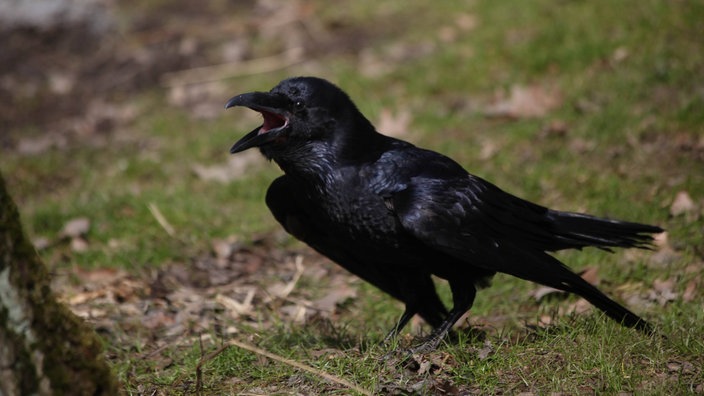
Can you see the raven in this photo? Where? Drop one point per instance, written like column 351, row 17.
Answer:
column 395, row 214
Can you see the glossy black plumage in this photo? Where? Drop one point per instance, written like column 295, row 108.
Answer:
column 395, row 214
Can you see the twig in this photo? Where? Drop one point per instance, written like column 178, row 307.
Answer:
column 161, row 219
column 199, row 371
column 205, row 74
column 295, row 364
column 296, row 277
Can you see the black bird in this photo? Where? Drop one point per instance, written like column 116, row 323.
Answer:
column 395, row 214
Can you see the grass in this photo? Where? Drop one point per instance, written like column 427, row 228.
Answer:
column 630, row 77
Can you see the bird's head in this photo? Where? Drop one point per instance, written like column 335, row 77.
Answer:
column 297, row 112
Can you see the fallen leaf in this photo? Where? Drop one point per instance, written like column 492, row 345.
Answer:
column 394, row 124
column 486, row 350
column 619, row 55
column 541, row 291
column 674, row 366
column 578, row 307
column 488, row 150
column 690, row 290
column 661, row 240
column 236, row 308
column 662, row 291
column 199, row 100
column 525, row 102
column 75, row 228
column 225, row 248
column 337, row 295
column 466, row 21
column 282, row 290
column 235, row 167
column 41, row 144
column 79, row 245
column 682, row 204
column 296, row 312
column 41, row 243
column 590, row 274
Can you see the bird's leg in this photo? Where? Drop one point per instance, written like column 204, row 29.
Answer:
column 463, row 298
column 407, row 315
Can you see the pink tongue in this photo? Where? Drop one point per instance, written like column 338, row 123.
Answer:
column 271, row 121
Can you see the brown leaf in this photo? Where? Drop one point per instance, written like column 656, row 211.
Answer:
column 337, row 295
column 590, row 274
column 75, row 228
column 236, row 167
column 236, row 308
column 282, row 290
column 224, row 248
column 79, row 245
column 662, row 291
column 690, row 290
column 296, row 312
column 525, row 102
column 661, row 240
column 486, row 350
column 682, row 204
column 394, row 124
column 38, row 145
column 541, row 291
column 466, row 21
column 578, row 307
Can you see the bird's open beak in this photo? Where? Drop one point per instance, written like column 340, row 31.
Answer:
column 272, row 107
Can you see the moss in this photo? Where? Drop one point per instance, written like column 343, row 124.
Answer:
column 53, row 350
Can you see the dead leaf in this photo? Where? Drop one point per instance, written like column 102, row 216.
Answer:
column 41, row 243
column 394, row 124
column 662, row 286
column 201, row 101
column 661, row 240
column 236, row 167
column 488, row 150
column 682, row 204
column 282, row 290
column 41, row 144
column 590, row 274
column 579, row 307
column 541, row 291
column 79, row 245
column 486, row 350
column 236, row 308
column 296, row 312
column 619, row 55
column 525, row 102
column 690, row 290
column 75, row 228
column 662, row 291
column 337, row 295
column 466, row 21
column 425, row 367
column 225, row 248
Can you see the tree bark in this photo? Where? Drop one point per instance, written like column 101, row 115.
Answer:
column 44, row 348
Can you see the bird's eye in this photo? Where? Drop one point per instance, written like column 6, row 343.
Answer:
column 298, row 104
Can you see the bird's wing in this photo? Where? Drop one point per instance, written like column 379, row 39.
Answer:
column 479, row 224
column 471, row 219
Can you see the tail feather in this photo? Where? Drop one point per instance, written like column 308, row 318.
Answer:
column 577, row 230
column 610, row 307
column 541, row 267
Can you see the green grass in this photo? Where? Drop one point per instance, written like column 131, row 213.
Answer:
column 643, row 122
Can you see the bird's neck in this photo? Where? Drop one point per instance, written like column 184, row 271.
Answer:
column 315, row 161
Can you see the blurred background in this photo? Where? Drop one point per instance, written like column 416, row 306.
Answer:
column 115, row 144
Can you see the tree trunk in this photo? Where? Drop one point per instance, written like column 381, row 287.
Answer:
column 44, row 348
